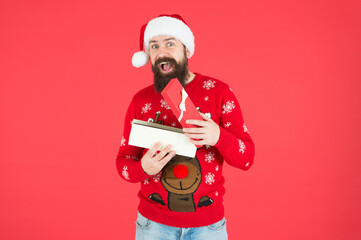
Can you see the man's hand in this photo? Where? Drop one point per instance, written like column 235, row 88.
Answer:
column 207, row 133
column 152, row 162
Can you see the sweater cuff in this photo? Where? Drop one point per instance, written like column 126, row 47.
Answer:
column 140, row 172
column 224, row 139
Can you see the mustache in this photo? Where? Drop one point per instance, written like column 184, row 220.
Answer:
column 164, row 59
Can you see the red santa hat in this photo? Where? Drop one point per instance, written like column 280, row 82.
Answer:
column 172, row 25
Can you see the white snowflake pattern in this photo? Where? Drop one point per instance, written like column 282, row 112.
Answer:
column 122, row 142
column 247, row 164
column 146, row 181
column 173, row 124
column 157, row 177
column 227, row 124
column 210, row 157
column 165, row 117
column 146, row 107
column 125, row 172
column 208, row 146
column 217, row 168
column 228, row 107
column 208, row 85
column 164, row 104
column 209, row 178
column 216, row 194
column 242, row 146
column 245, row 128
column 231, row 89
column 206, row 98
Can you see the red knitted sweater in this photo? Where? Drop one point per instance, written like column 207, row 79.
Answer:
column 188, row 191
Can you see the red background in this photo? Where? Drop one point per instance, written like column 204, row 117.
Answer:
column 66, row 80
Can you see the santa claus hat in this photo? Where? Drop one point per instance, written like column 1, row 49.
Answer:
column 172, row 25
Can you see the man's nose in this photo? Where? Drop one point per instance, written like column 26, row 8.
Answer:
column 162, row 52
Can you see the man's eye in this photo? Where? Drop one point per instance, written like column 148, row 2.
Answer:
column 154, row 46
column 170, row 44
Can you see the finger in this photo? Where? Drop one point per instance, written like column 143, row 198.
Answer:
column 193, row 130
column 197, row 122
column 205, row 117
column 167, row 158
column 153, row 150
column 198, row 142
column 162, row 153
column 195, row 136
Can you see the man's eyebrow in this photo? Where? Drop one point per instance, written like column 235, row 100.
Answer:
column 167, row 39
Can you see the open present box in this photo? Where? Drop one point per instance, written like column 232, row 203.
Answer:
column 146, row 134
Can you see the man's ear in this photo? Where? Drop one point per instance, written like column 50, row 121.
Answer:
column 188, row 54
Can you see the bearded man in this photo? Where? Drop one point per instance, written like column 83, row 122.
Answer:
column 181, row 198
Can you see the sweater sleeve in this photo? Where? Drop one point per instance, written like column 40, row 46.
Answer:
column 235, row 143
column 128, row 158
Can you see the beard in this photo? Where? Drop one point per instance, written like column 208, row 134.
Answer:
column 180, row 71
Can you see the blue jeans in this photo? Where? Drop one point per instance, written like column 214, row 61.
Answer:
column 149, row 230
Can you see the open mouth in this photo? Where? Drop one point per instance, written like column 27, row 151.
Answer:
column 166, row 66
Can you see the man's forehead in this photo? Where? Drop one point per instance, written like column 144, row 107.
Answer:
column 161, row 38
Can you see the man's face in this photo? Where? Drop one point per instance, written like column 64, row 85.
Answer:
column 169, row 60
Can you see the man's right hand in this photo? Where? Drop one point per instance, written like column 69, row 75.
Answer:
column 152, row 162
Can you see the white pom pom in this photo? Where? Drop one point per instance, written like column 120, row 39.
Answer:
column 139, row 59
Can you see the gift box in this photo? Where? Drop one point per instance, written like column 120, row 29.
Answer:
column 146, row 134
column 180, row 103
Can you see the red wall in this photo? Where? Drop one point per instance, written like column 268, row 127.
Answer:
column 66, row 80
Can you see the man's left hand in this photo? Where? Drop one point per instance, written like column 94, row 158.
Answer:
column 207, row 133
